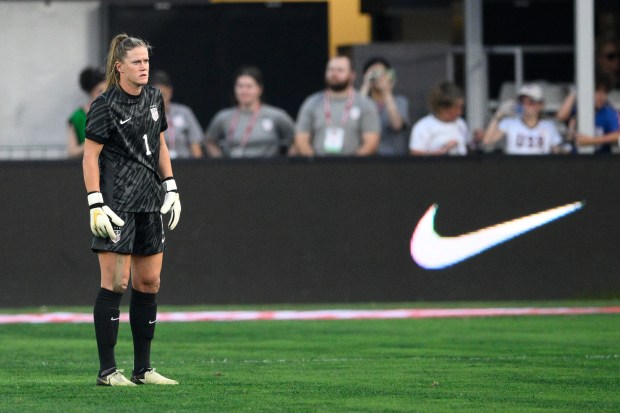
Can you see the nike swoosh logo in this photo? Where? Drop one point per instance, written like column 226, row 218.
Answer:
column 115, row 319
column 152, row 322
column 125, row 121
column 432, row 251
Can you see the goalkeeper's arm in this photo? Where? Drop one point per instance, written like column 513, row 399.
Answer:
column 172, row 203
column 101, row 215
column 90, row 165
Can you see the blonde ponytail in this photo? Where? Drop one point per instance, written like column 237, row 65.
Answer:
column 119, row 46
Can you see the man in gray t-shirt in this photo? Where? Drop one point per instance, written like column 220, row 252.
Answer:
column 338, row 120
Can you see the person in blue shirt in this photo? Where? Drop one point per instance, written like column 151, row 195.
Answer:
column 607, row 128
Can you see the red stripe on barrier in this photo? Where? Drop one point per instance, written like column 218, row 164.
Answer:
column 219, row 316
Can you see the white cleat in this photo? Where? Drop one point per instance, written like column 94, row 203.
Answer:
column 152, row 377
column 114, row 379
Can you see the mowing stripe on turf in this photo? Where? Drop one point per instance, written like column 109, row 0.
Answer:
column 195, row 316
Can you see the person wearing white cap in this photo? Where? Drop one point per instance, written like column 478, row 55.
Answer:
column 524, row 132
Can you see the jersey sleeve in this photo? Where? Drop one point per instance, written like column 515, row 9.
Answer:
column 215, row 130
column 99, row 121
column 370, row 117
column 195, row 131
column 556, row 138
column 418, row 141
column 611, row 120
column 304, row 117
column 505, row 124
column 402, row 103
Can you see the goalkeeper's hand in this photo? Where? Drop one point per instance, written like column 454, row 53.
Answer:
column 100, row 216
column 171, row 202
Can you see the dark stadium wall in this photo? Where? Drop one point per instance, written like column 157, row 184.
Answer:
column 201, row 47
column 328, row 230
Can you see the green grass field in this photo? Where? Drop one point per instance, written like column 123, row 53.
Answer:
column 500, row 364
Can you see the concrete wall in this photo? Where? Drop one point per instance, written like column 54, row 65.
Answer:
column 44, row 46
column 327, row 231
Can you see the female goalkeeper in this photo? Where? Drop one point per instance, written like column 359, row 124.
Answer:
column 126, row 163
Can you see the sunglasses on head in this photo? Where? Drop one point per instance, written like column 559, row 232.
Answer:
column 612, row 55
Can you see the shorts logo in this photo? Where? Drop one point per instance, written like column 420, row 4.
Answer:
column 154, row 113
column 117, row 235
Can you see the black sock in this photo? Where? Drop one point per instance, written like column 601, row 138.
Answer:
column 106, row 314
column 142, row 317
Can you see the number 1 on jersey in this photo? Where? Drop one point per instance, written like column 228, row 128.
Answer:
column 146, row 143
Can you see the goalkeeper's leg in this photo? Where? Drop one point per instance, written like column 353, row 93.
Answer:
column 106, row 314
column 143, row 316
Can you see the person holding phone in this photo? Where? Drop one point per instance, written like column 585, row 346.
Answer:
column 378, row 83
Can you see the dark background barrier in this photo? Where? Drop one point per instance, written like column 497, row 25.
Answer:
column 202, row 45
column 327, row 231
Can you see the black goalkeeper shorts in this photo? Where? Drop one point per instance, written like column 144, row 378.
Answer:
column 142, row 234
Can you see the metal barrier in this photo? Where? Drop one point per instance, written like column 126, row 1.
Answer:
column 33, row 151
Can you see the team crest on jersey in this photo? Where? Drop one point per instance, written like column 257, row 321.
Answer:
column 154, row 113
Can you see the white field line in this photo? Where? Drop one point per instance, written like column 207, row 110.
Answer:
column 203, row 316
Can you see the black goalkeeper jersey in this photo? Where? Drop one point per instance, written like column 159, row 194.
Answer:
column 129, row 127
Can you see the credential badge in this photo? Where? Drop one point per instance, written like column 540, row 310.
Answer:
column 267, row 125
column 154, row 113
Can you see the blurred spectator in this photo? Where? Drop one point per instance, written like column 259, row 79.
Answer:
column 608, row 59
column 605, row 118
column 92, row 82
column 443, row 131
column 184, row 134
column 521, row 127
column 252, row 128
column 378, row 83
column 338, row 120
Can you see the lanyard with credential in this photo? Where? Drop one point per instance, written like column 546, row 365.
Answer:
column 328, row 111
column 248, row 129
